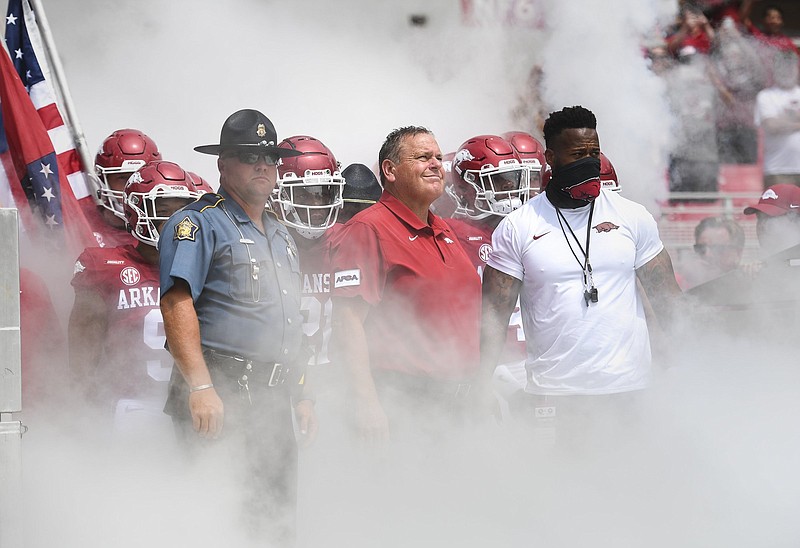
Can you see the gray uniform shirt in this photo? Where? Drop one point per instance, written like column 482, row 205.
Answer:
column 245, row 284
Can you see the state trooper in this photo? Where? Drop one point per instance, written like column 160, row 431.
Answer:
column 230, row 298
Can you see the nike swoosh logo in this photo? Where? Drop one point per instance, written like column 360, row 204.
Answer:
column 410, row 239
column 794, row 206
column 535, row 237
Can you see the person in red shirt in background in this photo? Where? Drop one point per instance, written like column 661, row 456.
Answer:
column 694, row 33
column 406, row 301
column 121, row 154
column 772, row 34
column 116, row 335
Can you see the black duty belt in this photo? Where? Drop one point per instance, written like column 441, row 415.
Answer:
column 246, row 369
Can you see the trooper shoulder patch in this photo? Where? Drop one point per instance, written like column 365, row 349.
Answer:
column 186, row 230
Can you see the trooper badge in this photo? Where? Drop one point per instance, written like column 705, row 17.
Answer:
column 186, row 230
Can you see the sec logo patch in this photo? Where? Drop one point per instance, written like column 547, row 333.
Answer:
column 484, row 251
column 130, row 276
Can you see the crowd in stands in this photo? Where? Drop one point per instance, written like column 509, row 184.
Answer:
column 726, row 77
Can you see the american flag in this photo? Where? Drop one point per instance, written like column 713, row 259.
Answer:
column 42, row 176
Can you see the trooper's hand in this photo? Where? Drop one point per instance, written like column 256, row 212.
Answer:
column 208, row 413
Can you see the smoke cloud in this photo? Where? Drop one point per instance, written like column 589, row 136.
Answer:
column 346, row 72
column 710, row 461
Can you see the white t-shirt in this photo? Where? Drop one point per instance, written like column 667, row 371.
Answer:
column 573, row 348
column 781, row 150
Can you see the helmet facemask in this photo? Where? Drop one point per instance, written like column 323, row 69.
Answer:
column 534, row 176
column 111, row 199
column 311, row 204
column 499, row 190
column 153, row 208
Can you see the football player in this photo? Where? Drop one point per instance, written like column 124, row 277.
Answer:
column 121, row 154
column 307, row 199
column 489, row 180
column 116, row 335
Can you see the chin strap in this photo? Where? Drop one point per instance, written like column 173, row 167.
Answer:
column 310, row 233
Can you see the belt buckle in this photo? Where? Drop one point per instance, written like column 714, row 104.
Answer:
column 278, row 375
column 462, row 389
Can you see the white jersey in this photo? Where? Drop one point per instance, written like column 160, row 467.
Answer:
column 781, row 150
column 572, row 348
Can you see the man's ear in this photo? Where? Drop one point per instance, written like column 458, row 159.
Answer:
column 549, row 155
column 388, row 169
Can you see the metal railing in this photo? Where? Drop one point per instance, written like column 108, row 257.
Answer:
column 678, row 234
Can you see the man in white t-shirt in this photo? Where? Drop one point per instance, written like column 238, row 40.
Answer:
column 573, row 254
column 778, row 115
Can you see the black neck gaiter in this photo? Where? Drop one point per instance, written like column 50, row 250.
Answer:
column 576, row 184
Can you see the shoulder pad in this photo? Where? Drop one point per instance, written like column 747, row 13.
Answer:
column 207, row 200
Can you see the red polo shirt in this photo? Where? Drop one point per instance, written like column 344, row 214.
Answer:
column 424, row 294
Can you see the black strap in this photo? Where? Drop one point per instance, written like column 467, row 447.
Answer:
column 586, row 265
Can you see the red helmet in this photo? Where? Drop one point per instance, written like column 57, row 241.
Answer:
column 308, row 195
column 124, row 151
column 144, row 209
column 200, row 183
column 531, row 152
column 488, row 178
column 608, row 175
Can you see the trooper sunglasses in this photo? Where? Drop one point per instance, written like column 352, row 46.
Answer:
column 251, row 158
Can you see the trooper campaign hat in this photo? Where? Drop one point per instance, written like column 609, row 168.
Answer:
column 248, row 130
column 777, row 200
column 361, row 185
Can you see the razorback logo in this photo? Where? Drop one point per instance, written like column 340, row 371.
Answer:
column 461, row 156
column 605, row 227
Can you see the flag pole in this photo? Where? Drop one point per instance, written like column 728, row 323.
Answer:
column 63, row 91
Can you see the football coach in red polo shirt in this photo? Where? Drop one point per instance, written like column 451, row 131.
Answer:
column 406, row 299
